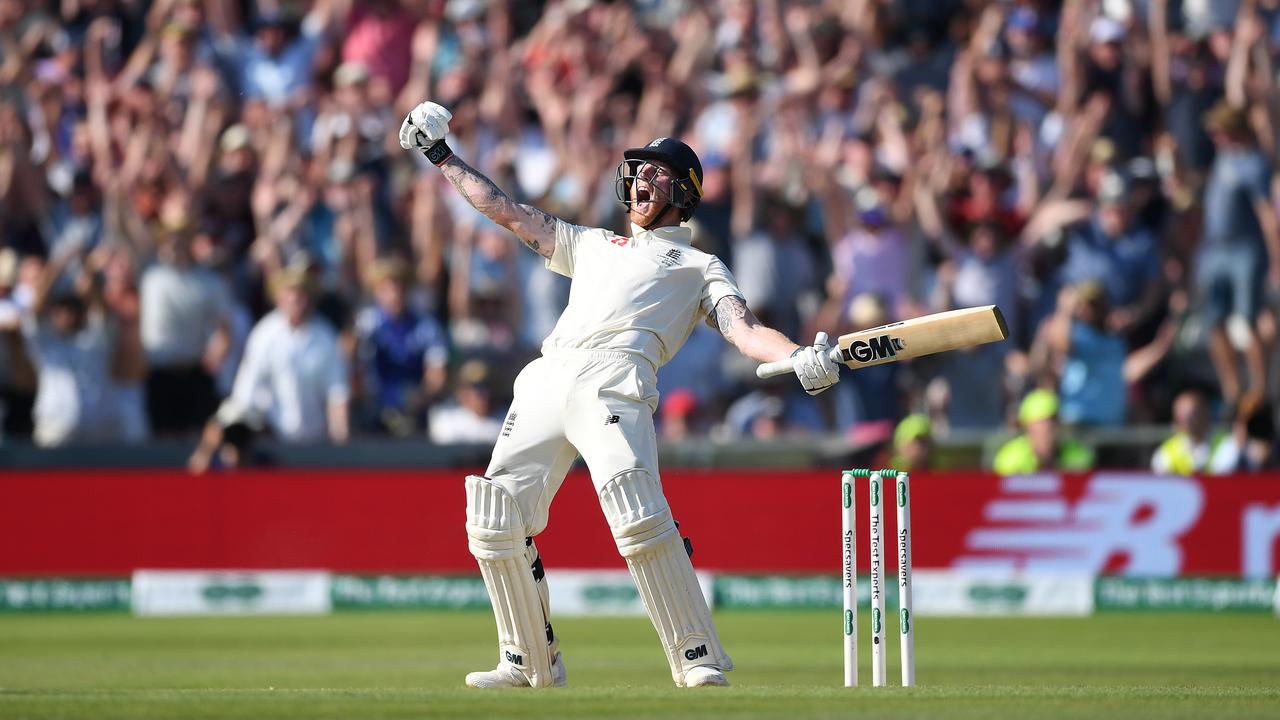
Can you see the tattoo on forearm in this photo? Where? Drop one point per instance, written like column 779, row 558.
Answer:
column 546, row 223
column 535, row 228
column 475, row 188
column 728, row 311
column 546, row 219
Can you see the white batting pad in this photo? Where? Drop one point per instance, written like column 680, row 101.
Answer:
column 647, row 537
column 496, row 538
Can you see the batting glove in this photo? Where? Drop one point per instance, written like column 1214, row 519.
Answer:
column 814, row 366
column 424, row 129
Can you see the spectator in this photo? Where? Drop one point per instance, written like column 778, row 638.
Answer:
column 485, row 302
column 275, row 66
column 77, row 221
column 293, row 378
column 1251, row 446
column 770, row 413
column 1241, row 252
column 470, row 418
column 677, row 414
column 1188, row 82
column 1112, row 249
column 875, row 256
column 983, row 271
column 1041, row 446
column 355, row 127
column 1090, row 358
column 186, row 333
column 401, row 355
column 228, row 215
column 379, row 36
column 697, row 368
column 872, row 394
column 17, row 376
column 913, row 444
column 1032, row 70
column 758, row 416
column 75, row 349
column 227, row 443
column 122, row 301
column 1195, row 447
column 774, row 268
column 1091, row 361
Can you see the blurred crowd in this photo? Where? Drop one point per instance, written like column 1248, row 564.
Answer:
column 208, row 230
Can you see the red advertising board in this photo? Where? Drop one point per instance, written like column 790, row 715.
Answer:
column 112, row 522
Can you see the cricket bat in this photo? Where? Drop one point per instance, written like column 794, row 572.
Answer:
column 912, row 338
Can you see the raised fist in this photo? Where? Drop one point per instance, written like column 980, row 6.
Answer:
column 424, row 125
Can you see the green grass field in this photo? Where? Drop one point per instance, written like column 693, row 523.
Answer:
column 410, row 665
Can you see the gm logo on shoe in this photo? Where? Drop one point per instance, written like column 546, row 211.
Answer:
column 695, row 653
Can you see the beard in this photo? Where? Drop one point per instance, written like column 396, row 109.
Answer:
column 644, row 213
column 647, row 204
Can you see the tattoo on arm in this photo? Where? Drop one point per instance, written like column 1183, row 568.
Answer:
column 535, row 228
column 729, row 311
column 543, row 225
column 475, row 188
column 738, row 325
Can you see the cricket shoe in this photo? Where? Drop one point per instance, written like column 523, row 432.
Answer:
column 705, row 676
column 507, row 675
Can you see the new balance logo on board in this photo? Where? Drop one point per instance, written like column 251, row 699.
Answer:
column 611, row 420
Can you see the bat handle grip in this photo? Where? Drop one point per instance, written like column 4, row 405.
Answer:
column 782, row 367
column 775, row 368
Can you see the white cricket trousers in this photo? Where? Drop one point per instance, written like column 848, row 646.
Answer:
column 596, row 403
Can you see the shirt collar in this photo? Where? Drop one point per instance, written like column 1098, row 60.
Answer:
column 676, row 234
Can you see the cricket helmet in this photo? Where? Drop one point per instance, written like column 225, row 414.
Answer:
column 686, row 184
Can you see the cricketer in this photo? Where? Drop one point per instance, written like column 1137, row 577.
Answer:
column 633, row 302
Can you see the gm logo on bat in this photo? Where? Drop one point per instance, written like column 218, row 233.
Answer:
column 878, row 348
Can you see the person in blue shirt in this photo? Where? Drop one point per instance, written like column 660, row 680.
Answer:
column 1112, row 249
column 1092, row 364
column 401, row 354
column 1092, row 388
column 1239, row 253
column 271, row 65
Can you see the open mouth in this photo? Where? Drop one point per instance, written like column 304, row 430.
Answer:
column 643, row 195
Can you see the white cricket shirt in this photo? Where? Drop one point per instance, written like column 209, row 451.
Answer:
column 640, row 295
